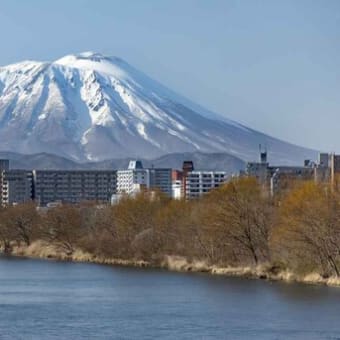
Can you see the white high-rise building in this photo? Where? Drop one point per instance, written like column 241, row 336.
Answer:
column 177, row 189
column 135, row 178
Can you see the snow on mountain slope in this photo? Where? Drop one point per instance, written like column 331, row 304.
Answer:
column 92, row 107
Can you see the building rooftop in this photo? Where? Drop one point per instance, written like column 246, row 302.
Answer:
column 135, row 164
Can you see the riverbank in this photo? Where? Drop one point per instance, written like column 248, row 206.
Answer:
column 44, row 250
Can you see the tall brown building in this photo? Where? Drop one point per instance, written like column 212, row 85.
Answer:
column 187, row 167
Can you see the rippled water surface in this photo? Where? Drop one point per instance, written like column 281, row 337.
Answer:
column 58, row 300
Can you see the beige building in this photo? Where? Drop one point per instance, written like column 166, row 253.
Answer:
column 198, row 183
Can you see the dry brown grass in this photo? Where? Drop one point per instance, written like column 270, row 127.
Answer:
column 44, row 250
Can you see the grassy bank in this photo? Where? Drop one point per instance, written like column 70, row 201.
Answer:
column 44, row 250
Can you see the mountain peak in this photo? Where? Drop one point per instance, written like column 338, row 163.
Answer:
column 94, row 61
column 89, row 56
column 89, row 106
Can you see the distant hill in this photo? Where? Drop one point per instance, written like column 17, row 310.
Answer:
column 202, row 161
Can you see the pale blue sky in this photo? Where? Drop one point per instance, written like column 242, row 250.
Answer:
column 272, row 65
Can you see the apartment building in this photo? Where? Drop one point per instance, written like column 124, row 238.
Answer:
column 198, row 183
column 259, row 170
column 160, row 179
column 4, row 166
column 275, row 178
column 135, row 178
column 74, row 186
column 17, row 187
column 282, row 176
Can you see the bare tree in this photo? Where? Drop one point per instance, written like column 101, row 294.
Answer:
column 63, row 227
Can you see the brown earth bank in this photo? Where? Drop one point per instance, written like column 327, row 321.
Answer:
column 43, row 250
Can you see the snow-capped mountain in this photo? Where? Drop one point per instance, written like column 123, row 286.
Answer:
column 92, row 107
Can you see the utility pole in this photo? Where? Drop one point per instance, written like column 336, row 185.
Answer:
column 332, row 171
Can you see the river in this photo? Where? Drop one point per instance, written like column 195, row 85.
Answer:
column 63, row 300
